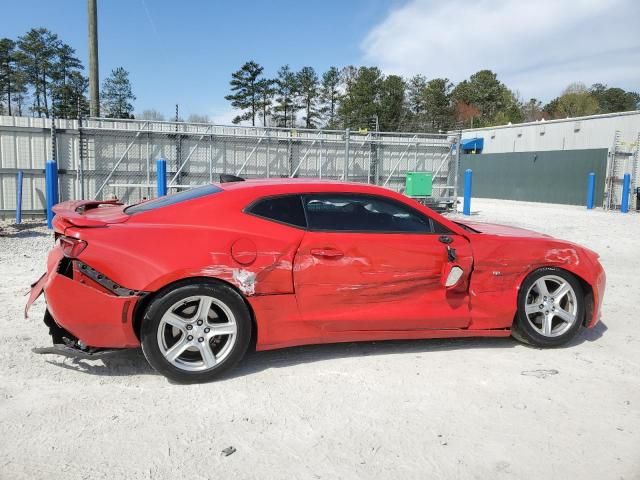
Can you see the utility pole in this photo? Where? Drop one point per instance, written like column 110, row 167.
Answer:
column 94, row 79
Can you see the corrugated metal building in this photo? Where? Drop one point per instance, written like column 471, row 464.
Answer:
column 596, row 131
column 573, row 143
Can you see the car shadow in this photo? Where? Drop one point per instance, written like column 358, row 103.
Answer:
column 256, row 362
column 588, row 334
column 24, row 230
column 132, row 362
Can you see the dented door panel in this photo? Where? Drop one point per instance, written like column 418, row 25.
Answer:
column 370, row 281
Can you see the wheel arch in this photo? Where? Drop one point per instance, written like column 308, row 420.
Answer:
column 586, row 287
column 145, row 301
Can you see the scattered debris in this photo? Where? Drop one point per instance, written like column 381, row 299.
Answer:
column 539, row 373
column 228, row 451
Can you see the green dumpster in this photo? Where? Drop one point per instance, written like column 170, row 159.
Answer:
column 418, row 184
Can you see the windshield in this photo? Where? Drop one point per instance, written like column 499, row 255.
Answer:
column 165, row 201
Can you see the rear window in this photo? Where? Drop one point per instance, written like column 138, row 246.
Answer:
column 172, row 199
column 285, row 209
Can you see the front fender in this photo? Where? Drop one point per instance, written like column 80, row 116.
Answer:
column 502, row 263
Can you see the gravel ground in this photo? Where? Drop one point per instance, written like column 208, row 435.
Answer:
column 451, row 409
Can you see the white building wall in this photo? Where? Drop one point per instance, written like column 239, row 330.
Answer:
column 596, row 131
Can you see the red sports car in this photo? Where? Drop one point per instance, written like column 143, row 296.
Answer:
column 198, row 276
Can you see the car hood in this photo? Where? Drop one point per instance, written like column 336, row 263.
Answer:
column 502, row 230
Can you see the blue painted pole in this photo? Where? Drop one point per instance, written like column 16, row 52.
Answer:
column 626, row 183
column 51, row 187
column 468, row 174
column 591, row 190
column 19, row 196
column 161, row 168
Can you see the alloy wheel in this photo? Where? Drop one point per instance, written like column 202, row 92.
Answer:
column 197, row 333
column 551, row 306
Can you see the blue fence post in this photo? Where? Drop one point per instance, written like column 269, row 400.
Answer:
column 626, row 183
column 468, row 174
column 591, row 190
column 51, row 187
column 161, row 168
column 19, row 179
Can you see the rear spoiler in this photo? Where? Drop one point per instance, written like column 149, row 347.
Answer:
column 72, row 212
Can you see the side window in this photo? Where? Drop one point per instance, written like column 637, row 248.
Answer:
column 286, row 209
column 363, row 213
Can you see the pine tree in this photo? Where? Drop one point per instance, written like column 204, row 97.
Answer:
column 308, row 90
column 361, row 102
column 392, row 103
column 614, row 99
column 65, row 101
column 37, row 55
column 117, row 95
column 415, row 100
column 78, row 104
column 265, row 96
column 486, row 93
column 244, row 83
column 11, row 80
column 436, row 100
column 286, row 97
column 330, row 95
column 348, row 75
column 414, row 116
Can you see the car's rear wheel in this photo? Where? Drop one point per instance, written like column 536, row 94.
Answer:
column 550, row 308
column 193, row 333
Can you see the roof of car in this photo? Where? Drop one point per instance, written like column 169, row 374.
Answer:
column 296, row 183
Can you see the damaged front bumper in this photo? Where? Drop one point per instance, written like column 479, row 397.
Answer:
column 95, row 311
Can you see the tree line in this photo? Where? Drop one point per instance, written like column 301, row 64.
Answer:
column 41, row 75
column 365, row 98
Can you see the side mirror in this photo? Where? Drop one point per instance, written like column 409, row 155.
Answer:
column 452, row 276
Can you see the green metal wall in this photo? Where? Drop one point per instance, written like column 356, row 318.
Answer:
column 558, row 176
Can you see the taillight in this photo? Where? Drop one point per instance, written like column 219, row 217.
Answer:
column 72, row 247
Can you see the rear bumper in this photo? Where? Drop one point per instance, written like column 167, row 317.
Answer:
column 96, row 316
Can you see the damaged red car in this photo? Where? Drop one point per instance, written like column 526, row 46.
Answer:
column 198, row 277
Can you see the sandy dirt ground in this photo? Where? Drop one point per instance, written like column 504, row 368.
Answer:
column 450, row 409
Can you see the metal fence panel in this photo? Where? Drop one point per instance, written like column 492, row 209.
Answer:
column 102, row 158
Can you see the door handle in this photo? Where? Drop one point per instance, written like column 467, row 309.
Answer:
column 446, row 239
column 326, row 253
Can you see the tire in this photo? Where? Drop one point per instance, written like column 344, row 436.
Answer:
column 551, row 308
column 193, row 333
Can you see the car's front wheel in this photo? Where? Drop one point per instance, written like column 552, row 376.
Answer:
column 550, row 308
column 193, row 333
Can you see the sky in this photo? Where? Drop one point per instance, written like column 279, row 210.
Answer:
column 184, row 51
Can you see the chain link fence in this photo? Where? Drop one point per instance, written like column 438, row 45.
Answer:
column 103, row 158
